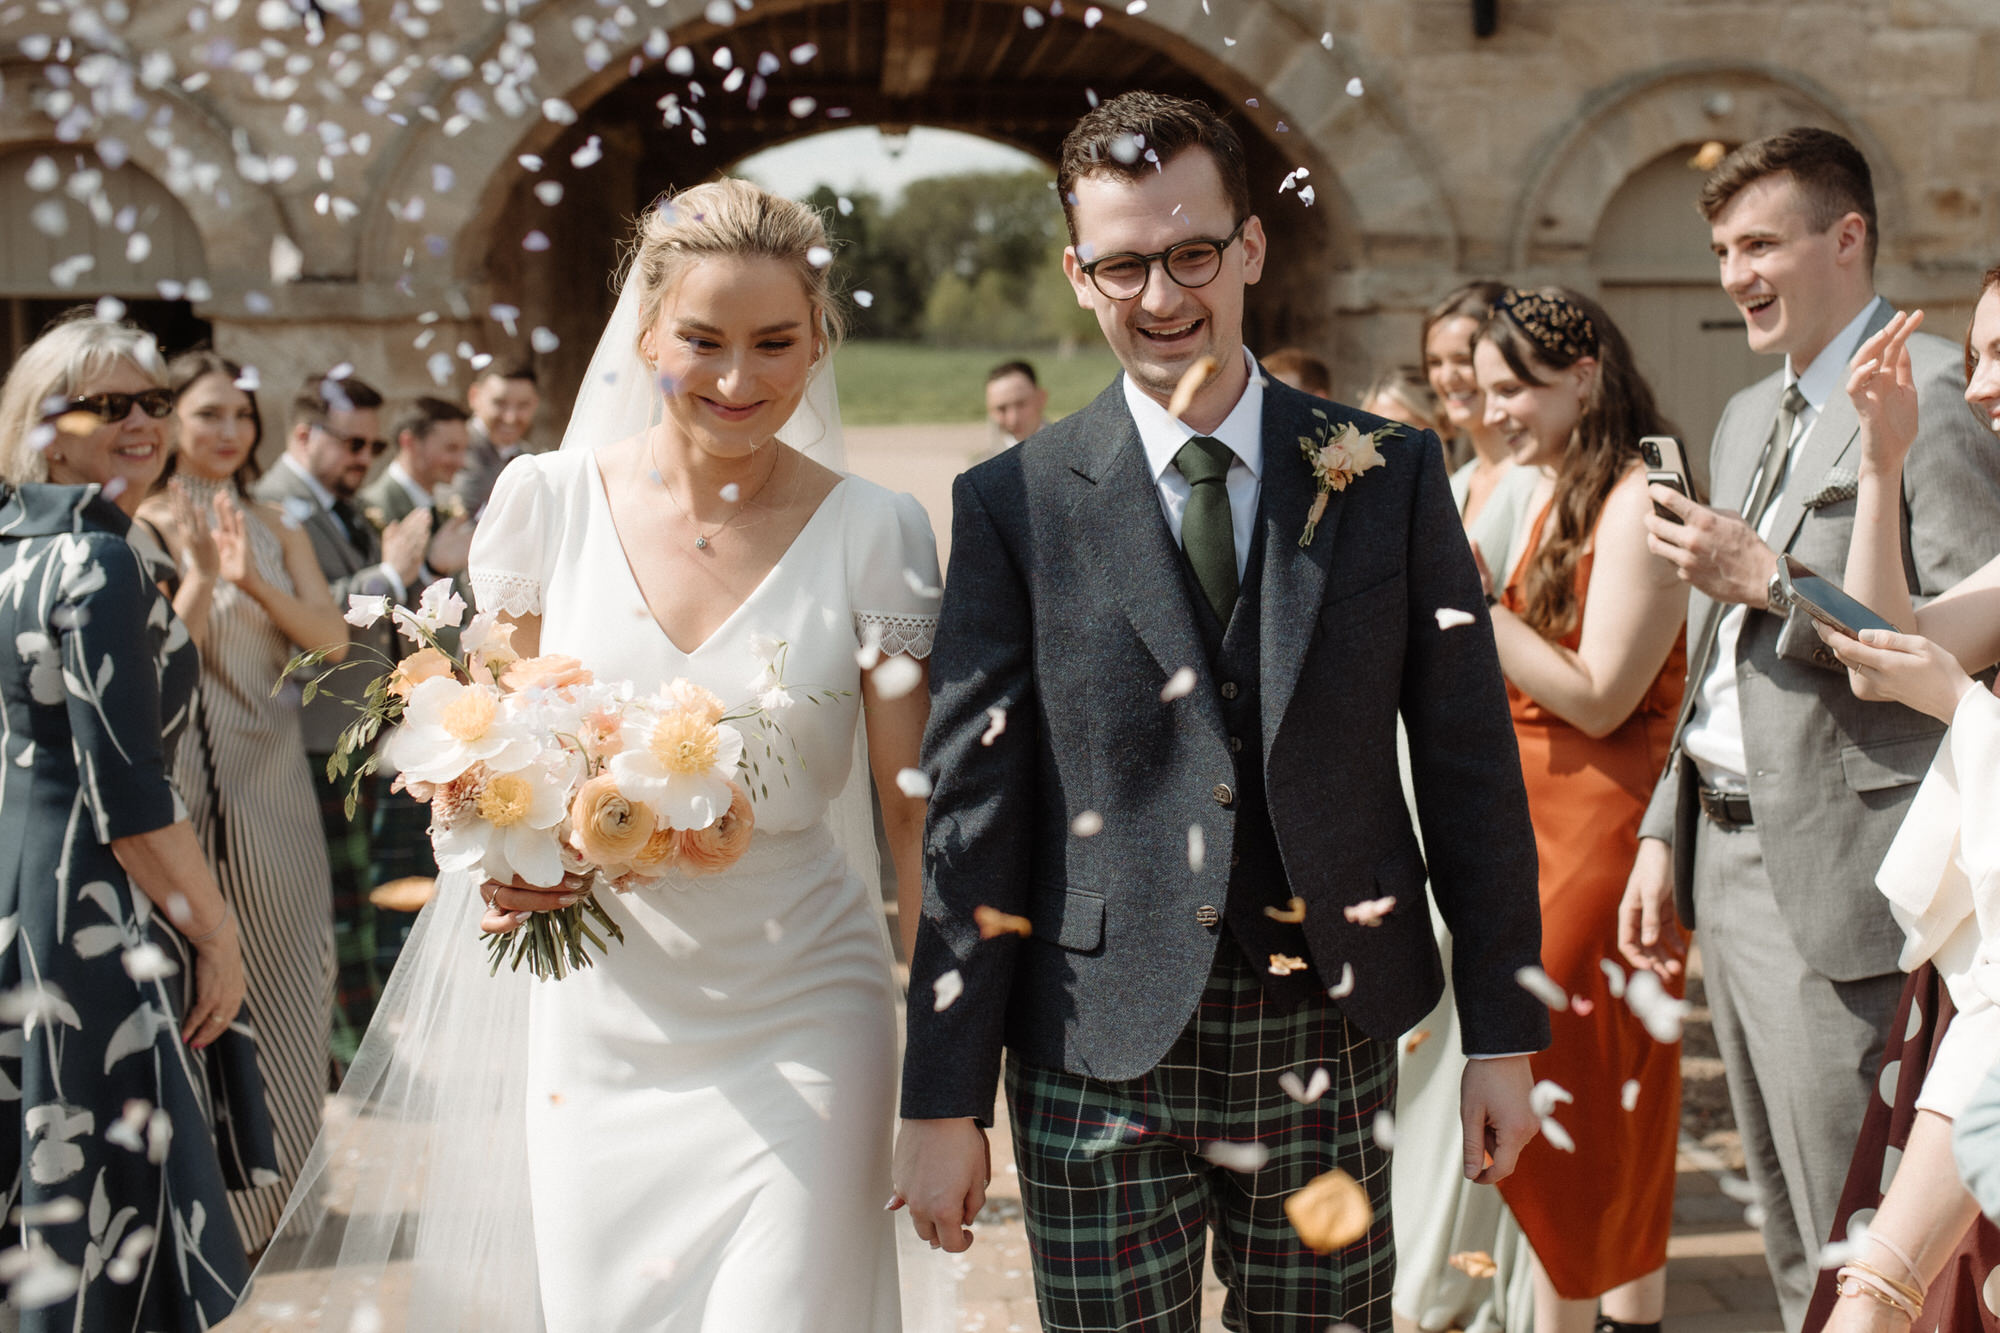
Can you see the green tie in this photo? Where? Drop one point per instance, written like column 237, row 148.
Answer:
column 1207, row 535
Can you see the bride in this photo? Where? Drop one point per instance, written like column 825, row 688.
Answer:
column 694, row 1134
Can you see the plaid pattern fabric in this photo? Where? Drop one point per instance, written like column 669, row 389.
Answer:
column 399, row 846
column 357, row 985
column 1119, row 1198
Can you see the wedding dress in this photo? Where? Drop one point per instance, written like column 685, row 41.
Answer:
column 695, row 1133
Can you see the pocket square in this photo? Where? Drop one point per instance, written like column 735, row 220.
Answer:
column 1840, row 484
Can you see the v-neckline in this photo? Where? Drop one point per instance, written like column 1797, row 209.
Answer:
column 632, row 575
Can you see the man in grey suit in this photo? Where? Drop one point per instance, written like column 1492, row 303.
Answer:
column 1200, row 648
column 336, row 432
column 504, row 401
column 1783, row 791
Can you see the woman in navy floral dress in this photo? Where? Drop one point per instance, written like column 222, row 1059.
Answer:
column 126, row 1069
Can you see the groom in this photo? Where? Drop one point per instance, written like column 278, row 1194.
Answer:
column 1163, row 731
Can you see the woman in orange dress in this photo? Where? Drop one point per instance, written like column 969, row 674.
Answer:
column 1591, row 636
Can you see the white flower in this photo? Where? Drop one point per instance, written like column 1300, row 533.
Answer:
column 767, row 686
column 448, row 727
column 511, row 831
column 440, row 607
column 680, row 765
column 363, row 610
column 478, row 631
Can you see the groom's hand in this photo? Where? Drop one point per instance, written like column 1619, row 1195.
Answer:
column 942, row 1170
column 1499, row 1122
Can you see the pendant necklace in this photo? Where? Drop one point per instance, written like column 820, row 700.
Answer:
column 702, row 539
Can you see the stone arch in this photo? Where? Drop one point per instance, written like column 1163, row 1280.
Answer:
column 1629, row 123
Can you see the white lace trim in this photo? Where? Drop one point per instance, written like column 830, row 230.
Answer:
column 510, row 594
column 896, row 634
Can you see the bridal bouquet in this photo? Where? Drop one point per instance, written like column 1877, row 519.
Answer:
column 535, row 771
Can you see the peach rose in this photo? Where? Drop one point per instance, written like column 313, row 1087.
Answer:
column 660, row 855
column 606, row 827
column 694, row 699
column 551, row 671
column 420, row 666
column 418, row 791
column 603, row 733
column 703, row 851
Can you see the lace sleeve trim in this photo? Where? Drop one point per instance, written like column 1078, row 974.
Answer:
column 896, row 634
column 510, row 594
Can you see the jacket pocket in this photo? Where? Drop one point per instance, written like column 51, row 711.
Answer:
column 1881, row 765
column 1378, row 600
column 1070, row 919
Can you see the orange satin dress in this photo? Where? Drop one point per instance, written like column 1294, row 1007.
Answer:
column 1597, row 1217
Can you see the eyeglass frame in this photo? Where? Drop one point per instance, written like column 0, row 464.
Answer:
column 354, row 444
column 101, row 405
column 1222, row 245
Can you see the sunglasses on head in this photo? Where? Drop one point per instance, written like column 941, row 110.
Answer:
column 357, row 444
column 110, row 407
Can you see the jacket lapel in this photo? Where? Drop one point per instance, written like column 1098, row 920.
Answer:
column 1294, row 581
column 1833, row 432
column 1116, row 518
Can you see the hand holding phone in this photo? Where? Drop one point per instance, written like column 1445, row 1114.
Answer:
column 1823, row 600
column 1666, row 465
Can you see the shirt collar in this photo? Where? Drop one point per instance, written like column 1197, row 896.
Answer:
column 1823, row 376
column 409, row 484
column 1242, row 430
column 319, row 492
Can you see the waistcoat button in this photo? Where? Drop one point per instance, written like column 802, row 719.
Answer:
column 1205, row 915
column 1229, row 689
column 1223, row 796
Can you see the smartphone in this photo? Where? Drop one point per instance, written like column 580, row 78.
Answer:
column 1823, row 600
column 1666, row 463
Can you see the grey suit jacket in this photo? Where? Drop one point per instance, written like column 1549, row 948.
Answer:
column 383, row 501
column 1831, row 776
column 1066, row 607
column 349, row 569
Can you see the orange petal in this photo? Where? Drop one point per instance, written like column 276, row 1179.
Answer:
column 992, row 921
column 1330, row 1213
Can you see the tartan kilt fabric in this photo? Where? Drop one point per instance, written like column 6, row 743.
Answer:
column 399, row 847
column 357, row 985
column 1119, row 1198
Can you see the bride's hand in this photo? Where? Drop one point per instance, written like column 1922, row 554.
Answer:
column 511, row 903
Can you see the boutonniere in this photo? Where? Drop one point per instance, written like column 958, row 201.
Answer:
column 376, row 515
column 1337, row 455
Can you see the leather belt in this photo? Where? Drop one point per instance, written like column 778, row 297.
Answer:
column 1730, row 809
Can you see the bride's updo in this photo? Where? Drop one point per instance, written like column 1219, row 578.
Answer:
column 731, row 217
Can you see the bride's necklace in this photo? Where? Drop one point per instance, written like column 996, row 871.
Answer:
column 702, row 539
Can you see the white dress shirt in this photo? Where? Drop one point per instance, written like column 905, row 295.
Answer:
column 1714, row 738
column 1242, row 430
column 419, row 496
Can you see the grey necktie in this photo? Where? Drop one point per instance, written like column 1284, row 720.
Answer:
column 1208, row 534
column 1772, row 469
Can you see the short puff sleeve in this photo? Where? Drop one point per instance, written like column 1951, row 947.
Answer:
column 510, row 548
column 892, row 572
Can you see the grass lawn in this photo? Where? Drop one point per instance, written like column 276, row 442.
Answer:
column 896, row 383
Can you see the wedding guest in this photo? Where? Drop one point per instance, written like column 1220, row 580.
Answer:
column 242, row 768
column 1439, row 1213
column 1589, row 627
column 1015, row 401
column 1784, row 791
column 1975, row 1143
column 1305, row 372
column 1404, row 394
column 1939, row 876
column 504, row 401
column 335, row 433
column 133, row 1104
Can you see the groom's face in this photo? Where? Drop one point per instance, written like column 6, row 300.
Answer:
column 1160, row 332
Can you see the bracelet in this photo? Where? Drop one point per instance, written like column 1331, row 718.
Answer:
column 1909, row 1291
column 1855, row 1280
column 1902, row 1256
column 207, row 935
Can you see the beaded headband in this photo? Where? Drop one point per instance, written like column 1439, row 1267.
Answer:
column 1558, row 327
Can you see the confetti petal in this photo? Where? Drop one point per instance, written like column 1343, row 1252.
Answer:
column 1192, row 381
column 1331, row 1213
column 1475, row 1264
column 1284, row 964
column 1197, row 849
column 1244, row 1157
column 993, row 922
column 946, row 990
column 1545, row 1096
column 1345, row 987
column 996, row 726
column 1370, row 913
column 1450, row 617
column 913, row 783
column 1291, row 913
column 1540, row 985
column 1557, row 1136
column 896, row 677
column 1178, row 686
column 1302, row 1092
column 1628, row 1096
column 1087, row 825
column 1416, row 1039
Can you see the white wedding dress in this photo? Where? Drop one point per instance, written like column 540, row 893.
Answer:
column 709, row 1108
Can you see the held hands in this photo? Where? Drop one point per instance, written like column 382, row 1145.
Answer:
column 1884, row 392
column 1649, row 934
column 509, row 905
column 1494, row 1109
column 1712, row 549
column 941, row 1172
column 1901, row 668
column 219, row 986
column 404, row 542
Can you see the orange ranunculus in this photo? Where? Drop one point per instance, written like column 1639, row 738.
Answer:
column 549, row 672
column 420, row 666
column 703, row 851
column 694, row 699
column 659, row 855
column 606, row 827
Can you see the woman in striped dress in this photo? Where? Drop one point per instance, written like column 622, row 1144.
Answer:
column 253, row 595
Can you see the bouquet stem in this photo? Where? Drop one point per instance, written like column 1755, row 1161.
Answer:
column 552, row 943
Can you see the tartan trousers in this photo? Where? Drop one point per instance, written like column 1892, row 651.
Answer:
column 357, row 985
column 1119, row 1198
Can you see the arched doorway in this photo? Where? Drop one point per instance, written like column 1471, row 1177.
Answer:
column 1657, row 277
column 73, row 228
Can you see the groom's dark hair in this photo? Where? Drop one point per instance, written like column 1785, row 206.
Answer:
column 1140, row 132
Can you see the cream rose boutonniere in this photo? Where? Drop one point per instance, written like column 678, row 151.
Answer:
column 1337, row 455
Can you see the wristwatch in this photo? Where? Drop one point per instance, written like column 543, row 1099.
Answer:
column 1775, row 600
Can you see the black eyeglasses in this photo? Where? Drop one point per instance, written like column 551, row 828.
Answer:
column 1191, row 263
column 110, row 407
column 356, row 444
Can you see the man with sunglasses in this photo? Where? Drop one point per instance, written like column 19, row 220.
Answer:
column 1199, row 652
column 336, row 434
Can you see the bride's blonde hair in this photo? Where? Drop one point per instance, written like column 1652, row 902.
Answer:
column 730, row 217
